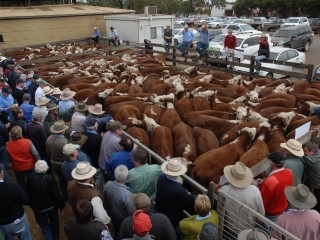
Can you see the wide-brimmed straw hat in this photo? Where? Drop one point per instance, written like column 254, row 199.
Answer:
column 238, row 175
column 47, row 90
column 83, row 171
column 52, row 106
column 77, row 138
column 173, row 167
column 253, row 234
column 300, row 197
column 56, row 91
column 81, row 107
column 67, row 94
column 96, row 109
column 42, row 101
column 293, row 146
column 58, row 127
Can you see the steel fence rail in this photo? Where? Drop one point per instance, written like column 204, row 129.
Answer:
column 234, row 216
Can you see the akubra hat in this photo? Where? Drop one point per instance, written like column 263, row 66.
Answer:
column 47, row 90
column 58, row 127
column 67, row 94
column 77, row 138
column 52, row 106
column 81, row 107
column 173, row 167
column 300, row 197
column 83, row 171
column 96, row 109
column 56, row 91
column 238, row 175
column 253, row 234
column 293, row 146
column 42, row 101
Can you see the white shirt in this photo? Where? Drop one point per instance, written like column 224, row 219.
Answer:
column 39, row 92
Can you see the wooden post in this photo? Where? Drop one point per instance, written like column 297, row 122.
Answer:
column 174, row 54
column 252, row 60
column 310, row 68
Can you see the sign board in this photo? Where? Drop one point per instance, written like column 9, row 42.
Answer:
column 302, row 130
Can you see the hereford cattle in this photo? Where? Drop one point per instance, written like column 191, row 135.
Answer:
column 170, row 118
column 129, row 115
column 205, row 139
column 209, row 166
column 140, row 134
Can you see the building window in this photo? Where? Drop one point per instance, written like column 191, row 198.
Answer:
column 1, row 38
column 156, row 32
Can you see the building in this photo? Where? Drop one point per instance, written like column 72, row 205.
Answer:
column 223, row 11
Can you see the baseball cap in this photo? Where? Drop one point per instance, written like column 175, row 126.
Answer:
column 69, row 148
column 19, row 81
column 276, row 157
column 36, row 76
column 90, row 122
column 6, row 89
column 141, row 223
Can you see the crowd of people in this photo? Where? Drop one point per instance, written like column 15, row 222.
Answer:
column 66, row 152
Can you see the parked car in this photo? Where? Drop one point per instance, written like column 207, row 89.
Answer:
column 315, row 24
column 295, row 21
column 181, row 21
column 297, row 37
column 218, row 39
column 273, row 25
column 243, row 20
column 177, row 38
column 247, row 43
column 215, row 24
column 280, row 54
column 257, row 22
column 240, row 27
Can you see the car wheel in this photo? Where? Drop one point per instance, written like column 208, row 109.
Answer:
column 269, row 75
column 307, row 46
column 176, row 42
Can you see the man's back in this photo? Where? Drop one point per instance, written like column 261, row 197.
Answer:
column 109, row 145
column 296, row 166
column 92, row 147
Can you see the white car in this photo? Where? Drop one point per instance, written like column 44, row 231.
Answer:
column 240, row 27
column 280, row 54
column 181, row 21
column 294, row 21
column 215, row 24
column 177, row 38
column 246, row 43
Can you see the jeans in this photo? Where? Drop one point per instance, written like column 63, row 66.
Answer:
column 183, row 45
column 166, row 46
column 20, row 229
column 49, row 223
column 258, row 62
column 23, row 175
column 201, row 48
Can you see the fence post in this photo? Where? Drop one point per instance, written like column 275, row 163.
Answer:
column 310, row 72
column 174, row 53
column 252, row 60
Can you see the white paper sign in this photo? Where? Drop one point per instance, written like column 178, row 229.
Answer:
column 302, row 130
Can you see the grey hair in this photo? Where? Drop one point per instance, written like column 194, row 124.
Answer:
column 41, row 166
column 121, row 173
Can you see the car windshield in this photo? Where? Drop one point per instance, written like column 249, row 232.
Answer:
column 219, row 38
column 292, row 20
column 246, row 28
column 273, row 56
column 239, row 41
column 283, row 33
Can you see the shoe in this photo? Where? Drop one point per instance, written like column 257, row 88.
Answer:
column 183, row 54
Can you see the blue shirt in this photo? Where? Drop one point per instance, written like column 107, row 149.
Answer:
column 96, row 33
column 67, row 167
column 65, row 105
column 188, row 36
column 204, row 36
column 102, row 121
column 83, row 157
column 5, row 101
column 27, row 111
column 118, row 158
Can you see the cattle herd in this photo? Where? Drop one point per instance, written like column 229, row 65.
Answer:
column 209, row 119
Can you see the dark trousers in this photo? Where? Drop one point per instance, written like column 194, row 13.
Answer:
column 22, row 177
column 4, row 157
column 95, row 40
column 49, row 223
column 56, row 168
column 316, row 193
column 114, row 41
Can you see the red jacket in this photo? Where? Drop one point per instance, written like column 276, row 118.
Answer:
column 230, row 41
column 20, row 154
column 272, row 191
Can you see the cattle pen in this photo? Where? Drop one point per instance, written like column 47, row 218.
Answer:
column 219, row 197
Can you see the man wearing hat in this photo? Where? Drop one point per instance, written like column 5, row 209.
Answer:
column 113, row 37
column 54, row 147
column 66, row 103
column 14, row 75
column 110, row 142
column 272, row 187
column 70, row 151
column 141, row 226
column 19, row 90
column 161, row 226
column 26, row 107
column 66, row 118
column 167, row 35
column 6, row 100
column 33, row 86
column 187, row 39
column 204, row 39
column 55, row 95
column 311, row 161
column 102, row 118
column 79, row 117
column 53, row 116
column 171, row 197
column 263, row 52
column 29, row 78
column 95, row 36
column 300, row 220
column 292, row 149
column 82, row 188
column 79, row 139
column 39, row 92
column 240, row 178
column 254, row 233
